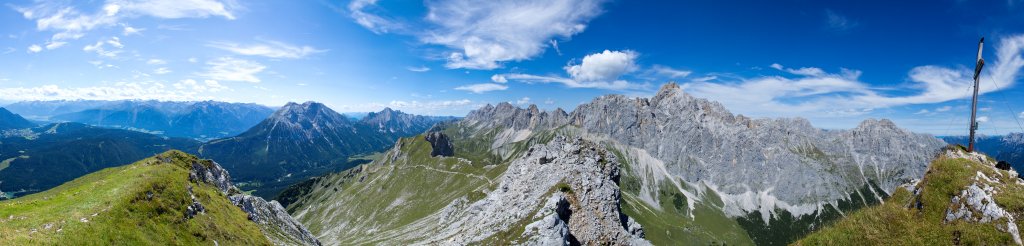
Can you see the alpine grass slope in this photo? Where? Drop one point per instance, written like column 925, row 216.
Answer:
column 171, row 198
column 962, row 200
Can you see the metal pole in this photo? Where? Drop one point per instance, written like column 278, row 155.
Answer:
column 974, row 101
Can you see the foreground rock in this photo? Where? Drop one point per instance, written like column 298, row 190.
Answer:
column 574, row 180
column 275, row 222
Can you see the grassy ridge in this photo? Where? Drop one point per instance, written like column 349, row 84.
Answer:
column 900, row 221
column 138, row 204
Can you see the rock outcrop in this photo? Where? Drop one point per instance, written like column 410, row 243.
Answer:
column 272, row 215
column 440, row 145
column 275, row 222
column 574, row 181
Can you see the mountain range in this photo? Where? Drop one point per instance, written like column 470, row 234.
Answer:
column 1008, row 148
column 43, row 157
column 617, row 170
column 10, row 121
column 199, row 120
column 304, row 140
column 689, row 171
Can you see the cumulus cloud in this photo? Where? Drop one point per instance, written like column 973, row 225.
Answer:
column 481, row 88
column 233, row 69
column 600, row 70
column 498, row 78
column 272, row 49
column 482, row 35
column 604, row 66
column 156, row 62
column 843, row 94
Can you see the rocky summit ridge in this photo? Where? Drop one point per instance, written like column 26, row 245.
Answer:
column 755, row 164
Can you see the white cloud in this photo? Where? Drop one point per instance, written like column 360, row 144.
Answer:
column 498, row 78
column 549, row 101
column 982, row 119
column 128, row 30
column 1021, row 115
column 776, row 66
column 34, row 48
column 605, row 66
column 923, row 111
column 55, row 44
column 233, row 69
column 99, row 48
column 601, row 70
column 523, row 101
column 193, row 60
column 840, row 94
column 272, row 49
column 116, row 42
column 481, row 88
column 419, row 69
column 162, row 70
column 669, row 72
column 482, row 35
column 943, row 108
column 156, row 62
column 70, row 23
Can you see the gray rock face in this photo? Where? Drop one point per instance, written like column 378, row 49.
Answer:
column 755, row 164
column 272, row 215
column 575, row 181
column 274, row 221
column 511, row 117
column 440, row 144
column 210, row 172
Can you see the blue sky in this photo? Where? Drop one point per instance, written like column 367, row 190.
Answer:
column 834, row 63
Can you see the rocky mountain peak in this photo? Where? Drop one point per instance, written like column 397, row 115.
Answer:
column 307, row 112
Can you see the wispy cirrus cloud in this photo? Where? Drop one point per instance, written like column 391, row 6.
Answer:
column 419, row 69
column 671, row 73
column 233, row 69
column 482, row 88
column 271, row 49
column 814, row 91
column 69, row 23
column 837, row 22
column 483, row 35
